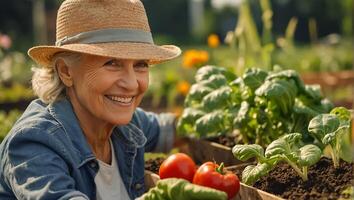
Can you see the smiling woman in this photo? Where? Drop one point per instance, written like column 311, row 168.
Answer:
column 85, row 137
column 105, row 87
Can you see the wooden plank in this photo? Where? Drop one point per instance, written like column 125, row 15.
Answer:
column 202, row 151
column 330, row 79
column 332, row 82
column 250, row 193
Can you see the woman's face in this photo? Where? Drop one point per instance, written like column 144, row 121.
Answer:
column 108, row 89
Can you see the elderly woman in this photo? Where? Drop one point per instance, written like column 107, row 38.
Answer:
column 85, row 138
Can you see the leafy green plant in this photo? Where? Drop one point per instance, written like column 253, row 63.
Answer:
column 210, row 94
column 15, row 93
column 330, row 129
column 246, row 39
column 288, row 148
column 260, row 106
column 7, row 121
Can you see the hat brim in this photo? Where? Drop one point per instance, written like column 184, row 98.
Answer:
column 122, row 50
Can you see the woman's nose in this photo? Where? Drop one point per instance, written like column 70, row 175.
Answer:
column 128, row 79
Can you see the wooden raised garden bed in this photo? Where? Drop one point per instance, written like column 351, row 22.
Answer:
column 333, row 81
column 246, row 192
column 325, row 182
column 282, row 182
column 203, row 150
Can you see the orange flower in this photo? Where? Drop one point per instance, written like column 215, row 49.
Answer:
column 177, row 110
column 203, row 56
column 195, row 58
column 213, row 41
column 183, row 87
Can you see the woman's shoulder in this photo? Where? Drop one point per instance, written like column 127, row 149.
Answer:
column 36, row 131
column 35, row 124
column 29, row 136
column 35, row 117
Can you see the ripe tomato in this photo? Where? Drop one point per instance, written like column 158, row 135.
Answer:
column 212, row 175
column 178, row 165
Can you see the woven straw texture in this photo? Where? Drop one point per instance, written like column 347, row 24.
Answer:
column 77, row 16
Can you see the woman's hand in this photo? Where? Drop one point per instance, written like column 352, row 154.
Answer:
column 180, row 189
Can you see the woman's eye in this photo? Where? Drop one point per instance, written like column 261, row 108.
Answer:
column 142, row 65
column 112, row 62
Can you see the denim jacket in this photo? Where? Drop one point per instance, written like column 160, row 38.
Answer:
column 46, row 155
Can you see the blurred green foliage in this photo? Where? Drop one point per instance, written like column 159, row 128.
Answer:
column 14, row 67
column 170, row 18
column 6, row 122
column 14, row 93
column 272, row 23
column 15, row 74
column 320, row 57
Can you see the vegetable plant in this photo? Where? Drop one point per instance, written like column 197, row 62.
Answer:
column 214, row 176
column 331, row 130
column 180, row 189
column 259, row 106
column 207, row 104
column 288, row 148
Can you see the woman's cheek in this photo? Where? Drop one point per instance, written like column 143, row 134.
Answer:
column 99, row 82
column 146, row 83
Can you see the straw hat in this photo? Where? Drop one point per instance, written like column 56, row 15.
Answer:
column 111, row 28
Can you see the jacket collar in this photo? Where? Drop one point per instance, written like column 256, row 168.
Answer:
column 63, row 112
column 132, row 134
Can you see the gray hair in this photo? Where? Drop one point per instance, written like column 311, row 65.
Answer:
column 46, row 82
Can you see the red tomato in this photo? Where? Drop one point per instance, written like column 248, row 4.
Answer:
column 178, row 165
column 212, row 175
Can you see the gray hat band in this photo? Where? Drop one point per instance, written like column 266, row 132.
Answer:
column 108, row 35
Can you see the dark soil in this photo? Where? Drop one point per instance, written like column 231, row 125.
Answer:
column 228, row 141
column 238, row 171
column 153, row 165
column 325, row 182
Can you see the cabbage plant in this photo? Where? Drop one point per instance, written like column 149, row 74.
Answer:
column 288, row 148
column 259, row 106
column 333, row 130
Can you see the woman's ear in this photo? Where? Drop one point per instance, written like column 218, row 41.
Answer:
column 64, row 73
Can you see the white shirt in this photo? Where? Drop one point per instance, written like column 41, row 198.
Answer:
column 109, row 184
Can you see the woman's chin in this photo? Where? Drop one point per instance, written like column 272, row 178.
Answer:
column 122, row 120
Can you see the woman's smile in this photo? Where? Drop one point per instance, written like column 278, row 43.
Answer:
column 121, row 100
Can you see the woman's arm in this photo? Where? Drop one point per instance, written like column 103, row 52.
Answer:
column 34, row 170
column 167, row 132
column 159, row 130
